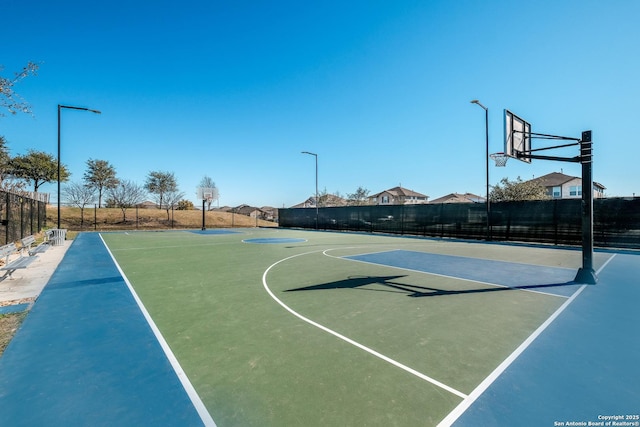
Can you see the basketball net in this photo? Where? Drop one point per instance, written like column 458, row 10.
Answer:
column 499, row 158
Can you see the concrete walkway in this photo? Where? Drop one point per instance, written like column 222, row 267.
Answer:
column 26, row 284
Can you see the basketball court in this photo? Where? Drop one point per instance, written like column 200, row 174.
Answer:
column 185, row 328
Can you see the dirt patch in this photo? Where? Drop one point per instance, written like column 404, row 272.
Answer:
column 9, row 324
column 17, row 301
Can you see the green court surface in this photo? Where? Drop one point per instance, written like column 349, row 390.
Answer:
column 295, row 333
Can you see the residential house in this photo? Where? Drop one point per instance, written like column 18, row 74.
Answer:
column 328, row 200
column 148, row 204
column 459, row 198
column 561, row 186
column 249, row 211
column 269, row 213
column 398, row 196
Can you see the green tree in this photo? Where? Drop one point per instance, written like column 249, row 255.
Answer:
column 160, row 183
column 359, row 198
column 39, row 167
column 9, row 99
column 508, row 191
column 100, row 176
column 185, row 205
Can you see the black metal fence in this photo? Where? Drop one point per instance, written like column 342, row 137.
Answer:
column 616, row 221
column 20, row 216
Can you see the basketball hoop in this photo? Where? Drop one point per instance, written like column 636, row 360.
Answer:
column 207, row 194
column 499, row 158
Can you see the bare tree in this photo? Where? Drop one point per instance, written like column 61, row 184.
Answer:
column 125, row 195
column 8, row 182
column 79, row 195
column 171, row 200
column 323, row 198
column 9, row 99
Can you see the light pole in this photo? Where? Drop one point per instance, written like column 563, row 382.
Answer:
column 486, row 158
column 316, row 156
column 60, row 107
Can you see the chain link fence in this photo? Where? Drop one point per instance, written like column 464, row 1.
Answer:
column 20, row 216
column 616, row 221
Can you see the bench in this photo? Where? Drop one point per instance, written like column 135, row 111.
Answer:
column 25, row 244
column 55, row 236
column 48, row 235
column 10, row 266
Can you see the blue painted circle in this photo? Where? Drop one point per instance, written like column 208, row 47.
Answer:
column 274, row 240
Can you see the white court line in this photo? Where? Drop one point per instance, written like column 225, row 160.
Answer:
column 206, row 418
column 484, row 385
column 349, row 340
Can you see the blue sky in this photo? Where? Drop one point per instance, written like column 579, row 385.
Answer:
column 380, row 90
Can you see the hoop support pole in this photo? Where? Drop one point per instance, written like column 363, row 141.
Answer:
column 203, row 224
column 587, row 274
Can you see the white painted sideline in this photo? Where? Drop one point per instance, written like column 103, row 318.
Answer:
column 206, row 418
column 484, row 385
column 349, row 340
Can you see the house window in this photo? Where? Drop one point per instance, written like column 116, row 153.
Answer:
column 385, row 200
column 575, row 190
column 556, row 192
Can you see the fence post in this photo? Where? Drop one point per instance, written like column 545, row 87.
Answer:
column 21, row 201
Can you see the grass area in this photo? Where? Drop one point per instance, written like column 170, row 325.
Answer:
column 9, row 324
column 106, row 219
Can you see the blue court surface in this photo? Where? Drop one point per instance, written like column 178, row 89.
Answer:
column 558, row 281
column 88, row 355
column 215, row 231
column 275, row 240
column 582, row 367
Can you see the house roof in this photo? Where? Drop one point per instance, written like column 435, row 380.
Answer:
column 555, row 179
column 400, row 191
column 330, row 200
column 246, row 209
column 459, row 198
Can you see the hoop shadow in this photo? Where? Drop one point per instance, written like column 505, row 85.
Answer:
column 353, row 282
column 415, row 291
